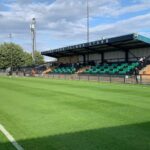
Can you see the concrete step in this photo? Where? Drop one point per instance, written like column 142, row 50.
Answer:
column 145, row 70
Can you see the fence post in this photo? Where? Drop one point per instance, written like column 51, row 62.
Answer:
column 140, row 79
column 124, row 78
column 110, row 78
column 88, row 77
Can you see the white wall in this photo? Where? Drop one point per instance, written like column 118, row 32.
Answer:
column 96, row 57
column 141, row 52
column 110, row 56
column 115, row 56
column 80, row 58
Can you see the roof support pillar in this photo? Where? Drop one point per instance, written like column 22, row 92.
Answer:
column 87, row 58
column 84, row 59
column 127, row 55
column 102, row 57
column 70, row 59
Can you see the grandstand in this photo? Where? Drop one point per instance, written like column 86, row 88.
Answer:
column 117, row 55
column 52, row 114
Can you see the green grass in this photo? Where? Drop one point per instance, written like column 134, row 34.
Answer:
column 45, row 114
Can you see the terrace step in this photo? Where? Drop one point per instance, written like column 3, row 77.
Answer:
column 48, row 70
column 145, row 70
column 81, row 70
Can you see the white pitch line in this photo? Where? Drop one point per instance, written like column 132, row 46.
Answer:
column 10, row 138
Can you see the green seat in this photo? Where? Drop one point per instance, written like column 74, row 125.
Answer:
column 114, row 68
column 64, row 70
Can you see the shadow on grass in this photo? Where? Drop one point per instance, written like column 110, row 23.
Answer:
column 127, row 137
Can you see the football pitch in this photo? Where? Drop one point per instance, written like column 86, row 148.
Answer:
column 46, row 114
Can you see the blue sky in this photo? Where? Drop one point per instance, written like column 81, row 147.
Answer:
column 63, row 22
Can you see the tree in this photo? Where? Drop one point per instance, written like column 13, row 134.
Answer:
column 39, row 59
column 11, row 55
column 28, row 59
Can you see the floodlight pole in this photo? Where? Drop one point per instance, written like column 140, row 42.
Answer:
column 88, row 23
column 88, row 27
column 33, row 32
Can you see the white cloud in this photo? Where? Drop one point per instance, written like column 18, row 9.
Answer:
column 135, row 24
column 66, row 19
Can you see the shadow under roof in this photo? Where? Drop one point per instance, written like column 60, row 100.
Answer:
column 125, row 42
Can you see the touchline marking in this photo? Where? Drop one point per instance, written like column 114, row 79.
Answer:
column 10, row 138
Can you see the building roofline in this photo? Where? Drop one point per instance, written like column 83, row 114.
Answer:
column 99, row 45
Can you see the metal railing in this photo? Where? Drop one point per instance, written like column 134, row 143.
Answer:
column 126, row 79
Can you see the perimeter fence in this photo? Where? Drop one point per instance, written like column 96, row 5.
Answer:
column 126, row 79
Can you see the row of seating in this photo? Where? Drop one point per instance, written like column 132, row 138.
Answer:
column 123, row 68
column 114, row 68
column 64, row 70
